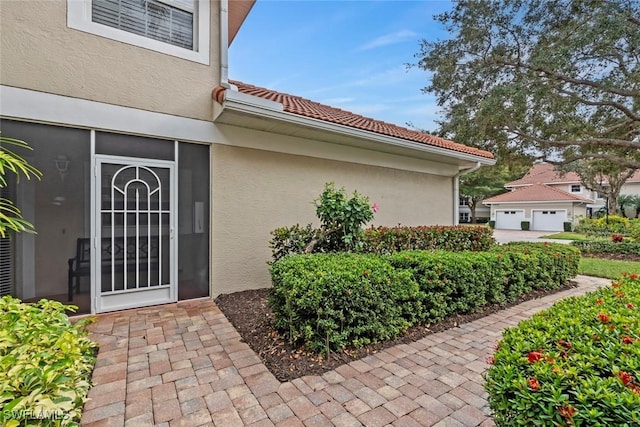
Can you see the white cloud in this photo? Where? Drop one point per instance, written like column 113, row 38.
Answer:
column 388, row 39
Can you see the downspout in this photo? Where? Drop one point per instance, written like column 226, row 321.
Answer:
column 224, row 44
column 456, row 191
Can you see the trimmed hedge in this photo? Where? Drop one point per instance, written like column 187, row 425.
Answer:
column 538, row 265
column 386, row 240
column 329, row 301
column 454, row 282
column 45, row 364
column 577, row 363
column 607, row 247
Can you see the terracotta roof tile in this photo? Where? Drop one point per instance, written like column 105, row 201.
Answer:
column 311, row 109
column 546, row 173
column 535, row 193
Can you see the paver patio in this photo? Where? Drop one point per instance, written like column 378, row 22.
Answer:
column 185, row 365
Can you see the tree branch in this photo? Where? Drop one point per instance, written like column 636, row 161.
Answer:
column 562, row 77
column 622, row 161
column 611, row 142
column 627, row 112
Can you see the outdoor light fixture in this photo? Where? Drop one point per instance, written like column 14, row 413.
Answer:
column 62, row 165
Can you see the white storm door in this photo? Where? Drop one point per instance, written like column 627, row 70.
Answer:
column 134, row 245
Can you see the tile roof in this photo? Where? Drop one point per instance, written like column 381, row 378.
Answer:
column 311, row 109
column 546, row 173
column 536, row 193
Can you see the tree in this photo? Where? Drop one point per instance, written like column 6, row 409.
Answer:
column 489, row 181
column 603, row 176
column 625, row 201
column 10, row 216
column 560, row 78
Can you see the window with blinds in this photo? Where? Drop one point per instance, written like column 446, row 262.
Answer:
column 169, row 21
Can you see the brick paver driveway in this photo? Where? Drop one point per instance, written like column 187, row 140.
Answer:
column 185, row 365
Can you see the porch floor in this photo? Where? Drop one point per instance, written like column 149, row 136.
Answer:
column 184, row 364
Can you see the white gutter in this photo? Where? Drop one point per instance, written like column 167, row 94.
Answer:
column 255, row 106
column 456, row 191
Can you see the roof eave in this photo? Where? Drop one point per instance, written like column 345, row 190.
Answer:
column 248, row 104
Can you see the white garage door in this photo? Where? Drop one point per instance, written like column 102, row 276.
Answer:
column 549, row 220
column 509, row 220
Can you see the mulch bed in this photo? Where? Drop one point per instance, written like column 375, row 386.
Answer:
column 250, row 314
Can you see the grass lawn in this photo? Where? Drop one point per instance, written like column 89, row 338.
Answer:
column 610, row 269
column 566, row 236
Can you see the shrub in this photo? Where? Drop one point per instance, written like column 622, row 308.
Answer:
column 567, row 226
column 328, row 301
column 539, row 265
column 45, row 364
column 342, row 218
column 605, row 225
column 292, row 240
column 386, row 240
column 574, row 364
column 454, row 282
column 492, row 224
column 524, row 225
column 607, row 247
column 617, row 238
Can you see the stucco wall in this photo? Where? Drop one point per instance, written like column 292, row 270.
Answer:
column 39, row 52
column 256, row 191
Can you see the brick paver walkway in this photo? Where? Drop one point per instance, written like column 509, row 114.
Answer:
column 185, row 365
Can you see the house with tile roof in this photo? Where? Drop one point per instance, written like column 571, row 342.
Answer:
column 162, row 177
column 546, row 198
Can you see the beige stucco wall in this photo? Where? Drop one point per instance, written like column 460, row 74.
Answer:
column 39, row 52
column 573, row 210
column 256, row 191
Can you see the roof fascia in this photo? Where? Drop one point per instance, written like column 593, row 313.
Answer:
column 253, row 105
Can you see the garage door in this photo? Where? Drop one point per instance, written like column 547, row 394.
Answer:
column 549, row 220
column 509, row 220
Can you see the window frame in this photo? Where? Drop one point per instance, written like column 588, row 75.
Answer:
column 573, row 186
column 79, row 18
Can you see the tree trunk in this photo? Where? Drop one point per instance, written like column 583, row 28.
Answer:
column 613, row 203
column 472, row 208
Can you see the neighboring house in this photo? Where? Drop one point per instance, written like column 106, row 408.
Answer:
column 547, row 198
column 464, row 211
column 162, row 178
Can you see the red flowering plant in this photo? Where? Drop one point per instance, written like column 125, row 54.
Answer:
column 617, row 238
column 581, row 354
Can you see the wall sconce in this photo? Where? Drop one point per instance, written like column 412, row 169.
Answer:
column 62, row 165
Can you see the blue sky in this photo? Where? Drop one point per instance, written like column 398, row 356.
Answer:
column 347, row 54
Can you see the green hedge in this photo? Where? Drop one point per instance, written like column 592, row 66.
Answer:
column 45, row 364
column 454, row 282
column 538, row 265
column 333, row 300
column 607, row 247
column 385, row 240
column 329, row 301
column 577, row 363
